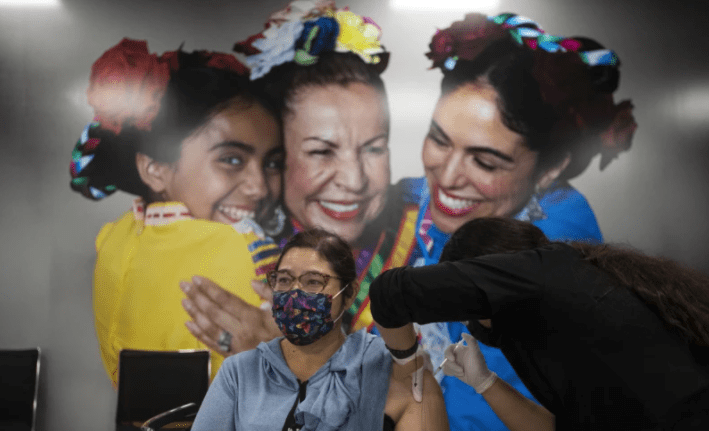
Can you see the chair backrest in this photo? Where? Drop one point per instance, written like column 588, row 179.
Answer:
column 19, row 377
column 152, row 382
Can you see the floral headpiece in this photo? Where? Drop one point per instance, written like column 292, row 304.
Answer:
column 468, row 38
column 557, row 61
column 307, row 28
column 126, row 88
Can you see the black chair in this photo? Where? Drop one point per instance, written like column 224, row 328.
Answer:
column 180, row 415
column 151, row 383
column 19, row 376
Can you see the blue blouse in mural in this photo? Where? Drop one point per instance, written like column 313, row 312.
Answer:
column 563, row 214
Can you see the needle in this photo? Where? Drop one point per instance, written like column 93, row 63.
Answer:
column 440, row 367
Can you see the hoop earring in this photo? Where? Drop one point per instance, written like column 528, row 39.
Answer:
column 274, row 225
column 537, row 190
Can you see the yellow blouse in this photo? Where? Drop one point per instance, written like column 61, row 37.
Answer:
column 142, row 257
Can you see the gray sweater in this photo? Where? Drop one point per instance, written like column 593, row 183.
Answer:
column 255, row 390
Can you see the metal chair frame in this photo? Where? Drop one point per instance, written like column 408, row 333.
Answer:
column 181, row 413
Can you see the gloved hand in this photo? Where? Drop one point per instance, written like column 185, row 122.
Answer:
column 467, row 363
column 423, row 360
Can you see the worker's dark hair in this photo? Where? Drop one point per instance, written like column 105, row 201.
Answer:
column 677, row 294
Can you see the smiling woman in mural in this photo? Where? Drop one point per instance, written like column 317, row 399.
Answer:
column 323, row 64
column 520, row 113
column 337, row 170
column 201, row 149
column 335, row 115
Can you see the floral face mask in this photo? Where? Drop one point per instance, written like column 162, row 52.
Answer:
column 303, row 317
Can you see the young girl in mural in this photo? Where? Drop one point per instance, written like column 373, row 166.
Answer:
column 200, row 147
column 521, row 112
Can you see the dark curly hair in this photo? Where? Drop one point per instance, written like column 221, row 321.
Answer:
column 195, row 94
column 559, row 104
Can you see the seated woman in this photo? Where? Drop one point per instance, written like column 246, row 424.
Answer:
column 188, row 134
column 316, row 377
column 604, row 337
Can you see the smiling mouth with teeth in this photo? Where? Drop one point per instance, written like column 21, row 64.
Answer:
column 235, row 214
column 340, row 210
column 453, row 206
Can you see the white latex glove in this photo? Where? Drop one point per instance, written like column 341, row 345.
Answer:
column 424, row 359
column 467, row 363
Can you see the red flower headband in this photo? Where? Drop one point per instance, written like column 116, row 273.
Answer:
column 464, row 39
column 126, row 88
column 127, row 82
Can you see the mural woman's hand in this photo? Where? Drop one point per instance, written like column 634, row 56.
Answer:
column 264, row 292
column 214, row 310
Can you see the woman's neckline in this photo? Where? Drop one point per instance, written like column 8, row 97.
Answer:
column 311, row 358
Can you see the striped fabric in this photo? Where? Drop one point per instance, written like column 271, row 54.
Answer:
column 527, row 32
column 160, row 213
column 81, row 156
column 426, row 223
column 264, row 253
column 390, row 252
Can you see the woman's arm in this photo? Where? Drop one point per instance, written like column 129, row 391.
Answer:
column 409, row 415
column 218, row 409
column 456, row 291
column 398, row 338
column 516, row 411
column 407, row 364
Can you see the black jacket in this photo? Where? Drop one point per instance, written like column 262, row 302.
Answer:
column 587, row 348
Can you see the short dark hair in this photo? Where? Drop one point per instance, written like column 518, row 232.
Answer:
column 333, row 249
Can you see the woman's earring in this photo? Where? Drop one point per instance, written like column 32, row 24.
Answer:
column 533, row 210
column 274, row 225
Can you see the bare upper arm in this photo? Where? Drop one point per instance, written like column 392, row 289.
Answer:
column 409, row 415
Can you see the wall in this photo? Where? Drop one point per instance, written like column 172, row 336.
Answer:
column 653, row 197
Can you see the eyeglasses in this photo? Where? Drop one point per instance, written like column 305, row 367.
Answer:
column 311, row 281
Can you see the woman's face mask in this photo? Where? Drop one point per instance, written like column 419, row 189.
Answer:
column 304, row 317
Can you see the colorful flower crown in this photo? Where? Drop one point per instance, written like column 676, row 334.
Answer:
column 127, row 85
column 307, row 28
column 558, row 62
column 468, row 38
